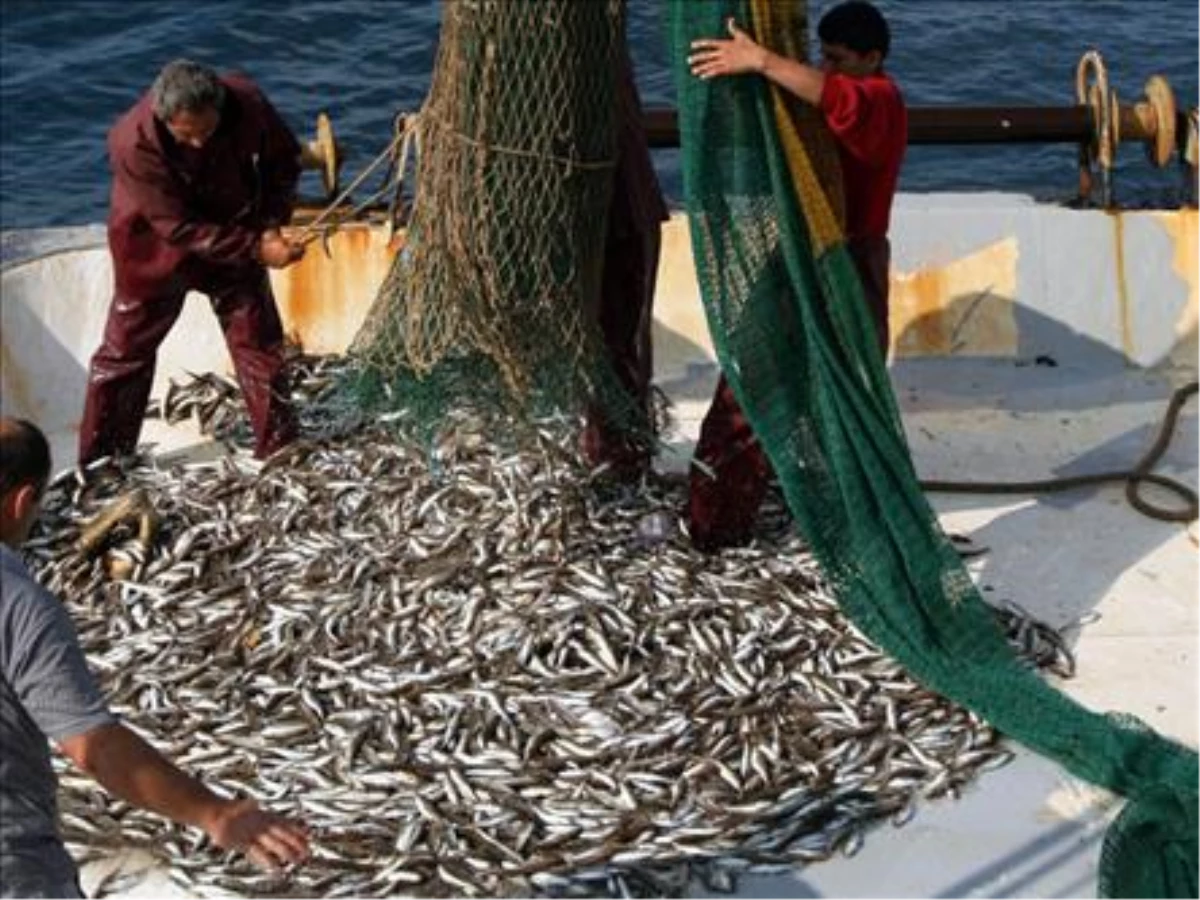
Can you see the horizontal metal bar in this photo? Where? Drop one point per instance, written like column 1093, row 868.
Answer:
column 947, row 125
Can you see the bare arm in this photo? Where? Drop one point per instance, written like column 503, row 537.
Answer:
column 127, row 766
column 712, row 57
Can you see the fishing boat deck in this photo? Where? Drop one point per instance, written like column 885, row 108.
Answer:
column 1123, row 585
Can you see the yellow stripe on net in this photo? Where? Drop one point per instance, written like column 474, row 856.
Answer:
column 808, row 146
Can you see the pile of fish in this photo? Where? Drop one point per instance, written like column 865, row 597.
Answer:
column 474, row 669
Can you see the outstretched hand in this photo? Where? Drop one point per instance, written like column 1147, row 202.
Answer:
column 715, row 56
column 271, row 841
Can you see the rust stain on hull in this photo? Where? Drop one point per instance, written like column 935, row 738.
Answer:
column 965, row 307
column 1181, row 227
column 1123, row 308
column 914, row 318
column 323, row 300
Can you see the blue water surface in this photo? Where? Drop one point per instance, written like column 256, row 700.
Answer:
column 68, row 68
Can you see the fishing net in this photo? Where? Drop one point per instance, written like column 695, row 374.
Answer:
column 488, row 302
column 795, row 340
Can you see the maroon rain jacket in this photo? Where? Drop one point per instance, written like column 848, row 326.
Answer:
column 178, row 212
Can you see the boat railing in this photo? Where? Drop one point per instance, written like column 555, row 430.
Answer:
column 1098, row 122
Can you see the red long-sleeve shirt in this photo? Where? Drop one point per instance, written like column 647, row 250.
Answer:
column 868, row 117
column 177, row 211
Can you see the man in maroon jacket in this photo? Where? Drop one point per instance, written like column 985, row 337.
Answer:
column 204, row 176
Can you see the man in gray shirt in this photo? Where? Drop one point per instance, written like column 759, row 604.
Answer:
column 47, row 692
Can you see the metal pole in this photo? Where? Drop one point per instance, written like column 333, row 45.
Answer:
column 948, row 125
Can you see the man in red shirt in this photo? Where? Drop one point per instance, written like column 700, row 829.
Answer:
column 204, row 176
column 865, row 111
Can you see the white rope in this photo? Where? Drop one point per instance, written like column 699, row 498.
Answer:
column 317, row 227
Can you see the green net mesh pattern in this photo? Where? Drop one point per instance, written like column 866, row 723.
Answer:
column 794, row 338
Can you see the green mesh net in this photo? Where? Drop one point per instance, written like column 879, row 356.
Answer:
column 795, row 340
column 487, row 304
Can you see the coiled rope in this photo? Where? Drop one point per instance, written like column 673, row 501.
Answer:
column 1136, row 476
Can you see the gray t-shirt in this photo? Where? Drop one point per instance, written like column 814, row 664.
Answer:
column 46, row 691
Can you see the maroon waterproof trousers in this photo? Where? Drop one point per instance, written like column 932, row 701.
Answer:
column 122, row 369
column 631, row 252
column 626, row 307
column 723, row 502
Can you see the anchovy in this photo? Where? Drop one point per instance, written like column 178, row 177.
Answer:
column 477, row 676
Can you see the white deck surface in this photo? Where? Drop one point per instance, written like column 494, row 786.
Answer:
column 1026, row 830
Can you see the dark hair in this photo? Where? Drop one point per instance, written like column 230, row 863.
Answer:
column 24, row 455
column 185, row 86
column 858, row 25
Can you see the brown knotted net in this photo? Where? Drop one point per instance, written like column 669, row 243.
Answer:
column 487, row 302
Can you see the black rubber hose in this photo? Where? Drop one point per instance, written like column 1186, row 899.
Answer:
column 1134, row 478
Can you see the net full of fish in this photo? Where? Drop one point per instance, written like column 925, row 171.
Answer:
column 465, row 667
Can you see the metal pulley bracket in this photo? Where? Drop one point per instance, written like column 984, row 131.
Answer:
column 1152, row 120
column 1106, row 116
column 1156, row 114
column 324, row 154
column 1092, row 90
column 335, row 215
column 1191, row 148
